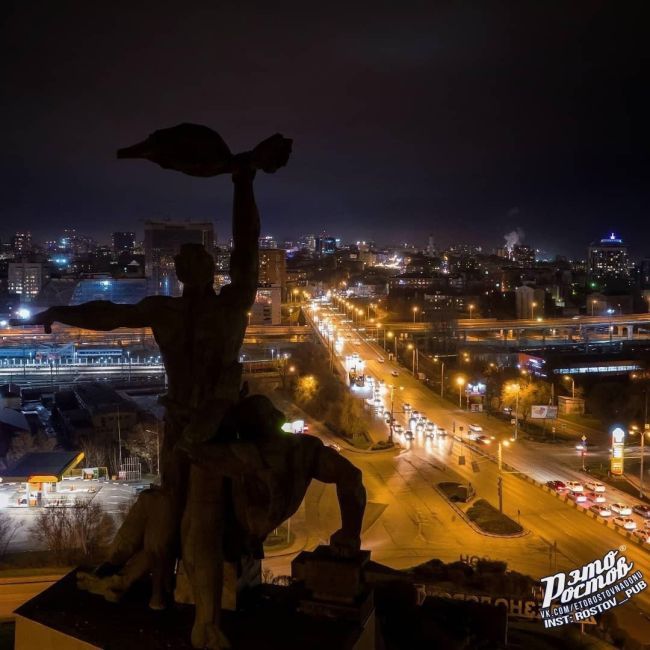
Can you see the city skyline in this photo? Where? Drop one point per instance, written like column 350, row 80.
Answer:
column 526, row 122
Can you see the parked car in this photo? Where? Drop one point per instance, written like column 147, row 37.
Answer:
column 621, row 509
column 601, row 510
column 625, row 522
column 643, row 511
column 558, row 486
column 594, row 486
column 574, row 486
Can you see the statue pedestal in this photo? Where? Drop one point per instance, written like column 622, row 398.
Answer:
column 275, row 618
column 334, row 588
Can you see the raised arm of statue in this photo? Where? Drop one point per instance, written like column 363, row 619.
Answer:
column 244, row 258
column 100, row 315
column 331, row 467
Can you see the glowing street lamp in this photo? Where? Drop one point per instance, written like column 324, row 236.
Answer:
column 532, row 308
column 461, row 382
column 573, row 385
column 471, row 309
column 415, row 311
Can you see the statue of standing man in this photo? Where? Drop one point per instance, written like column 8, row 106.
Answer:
column 199, row 335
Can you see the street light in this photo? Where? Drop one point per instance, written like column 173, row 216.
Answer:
column 471, row 309
column 415, row 311
column 635, row 429
column 532, row 307
column 593, row 304
column 461, row 382
column 505, row 443
column 517, row 388
column 412, row 347
column 442, row 376
column 573, row 385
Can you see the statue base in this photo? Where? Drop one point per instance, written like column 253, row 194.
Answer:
column 65, row 618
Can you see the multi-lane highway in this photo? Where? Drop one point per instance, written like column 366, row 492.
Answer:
column 414, row 523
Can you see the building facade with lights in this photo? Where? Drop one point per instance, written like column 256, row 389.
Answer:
column 608, row 260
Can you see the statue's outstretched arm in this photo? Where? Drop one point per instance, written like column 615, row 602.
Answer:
column 100, row 315
column 331, row 467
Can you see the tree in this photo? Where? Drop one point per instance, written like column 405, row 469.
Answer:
column 8, row 529
column 524, row 395
column 306, row 389
column 70, row 532
column 353, row 419
column 24, row 443
column 142, row 441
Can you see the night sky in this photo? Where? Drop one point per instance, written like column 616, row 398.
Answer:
column 461, row 119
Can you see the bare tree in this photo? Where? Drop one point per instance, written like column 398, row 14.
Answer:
column 70, row 531
column 142, row 441
column 8, row 529
column 90, row 526
column 51, row 529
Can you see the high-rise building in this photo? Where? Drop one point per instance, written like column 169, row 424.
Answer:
column 163, row 240
column 273, row 268
column 25, row 279
column 608, row 260
column 326, row 245
column 123, row 242
column 268, row 241
column 22, row 242
column 523, row 255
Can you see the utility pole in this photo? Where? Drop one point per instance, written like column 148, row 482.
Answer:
column 500, row 492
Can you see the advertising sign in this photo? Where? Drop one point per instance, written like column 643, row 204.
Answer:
column 543, row 412
column 616, row 462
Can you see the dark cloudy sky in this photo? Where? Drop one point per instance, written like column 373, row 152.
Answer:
column 461, row 119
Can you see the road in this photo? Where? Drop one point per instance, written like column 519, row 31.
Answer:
column 416, row 524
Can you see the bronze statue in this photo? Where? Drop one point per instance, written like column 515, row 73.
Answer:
column 269, row 472
column 199, row 336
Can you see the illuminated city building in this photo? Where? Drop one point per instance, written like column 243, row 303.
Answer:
column 25, row 279
column 162, row 241
column 608, row 260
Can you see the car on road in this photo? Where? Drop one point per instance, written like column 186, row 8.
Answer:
column 578, row 497
column 380, row 359
column 621, row 509
column 575, row 486
column 408, row 434
column 596, row 497
column 441, row 432
column 388, row 418
column 594, row 486
column 558, row 486
column 334, row 446
column 474, row 429
column 483, row 439
column 643, row 511
column 601, row 510
column 625, row 522
column 398, row 428
column 406, row 407
column 394, row 373
column 643, row 535
column 430, row 430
